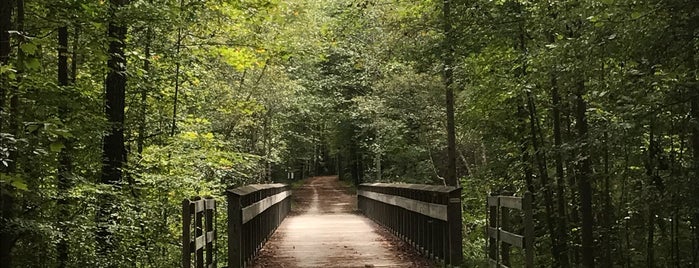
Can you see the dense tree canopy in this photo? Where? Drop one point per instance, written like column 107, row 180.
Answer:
column 112, row 112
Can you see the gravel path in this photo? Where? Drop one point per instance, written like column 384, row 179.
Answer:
column 325, row 230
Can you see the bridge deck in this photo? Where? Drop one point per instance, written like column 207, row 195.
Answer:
column 325, row 230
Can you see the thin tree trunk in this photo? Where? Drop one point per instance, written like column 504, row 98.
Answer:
column 448, row 85
column 650, row 251
column 562, row 219
column 140, row 141
column 74, row 57
column 64, row 162
column 177, row 75
column 574, row 196
column 695, row 179
column 607, row 260
column 14, row 119
column 584, row 184
column 113, row 151
column 624, row 200
column 650, row 166
column 465, row 162
column 694, row 184
column 7, row 236
column 542, row 166
column 539, row 154
column 15, row 92
column 524, row 149
column 562, row 233
column 606, row 256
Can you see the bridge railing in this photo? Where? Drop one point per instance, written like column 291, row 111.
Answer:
column 254, row 213
column 198, row 238
column 427, row 217
column 500, row 232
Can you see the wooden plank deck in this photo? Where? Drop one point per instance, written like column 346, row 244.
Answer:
column 325, row 230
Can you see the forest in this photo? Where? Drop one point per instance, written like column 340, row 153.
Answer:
column 114, row 111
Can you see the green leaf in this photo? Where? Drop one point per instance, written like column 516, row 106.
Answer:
column 636, row 15
column 608, row 2
column 32, row 63
column 19, row 184
column 28, row 48
column 33, row 127
column 56, row 146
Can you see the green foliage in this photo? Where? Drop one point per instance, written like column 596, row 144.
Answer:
column 353, row 88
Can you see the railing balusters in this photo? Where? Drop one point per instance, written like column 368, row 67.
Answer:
column 254, row 213
column 427, row 217
column 499, row 233
column 202, row 212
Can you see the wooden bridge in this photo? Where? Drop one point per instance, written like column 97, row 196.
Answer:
column 328, row 225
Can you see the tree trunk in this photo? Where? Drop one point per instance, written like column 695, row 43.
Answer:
column 607, row 260
column 5, row 27
column 562, row 220
column 64, row 162
column 177, row 76
column 113, row 151
column 573, row 186
column 140, row 140
column 6, row 193
column 694, row 89
column 650, row 251
column 539, row 154
column 584, row 184
column 542, row 166
column 74, row 57
column 695, row 179
column 15, row 92
column 650, row 167
column 562, row 233
column 448, row 85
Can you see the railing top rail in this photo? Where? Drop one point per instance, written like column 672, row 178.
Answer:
column 419, row 187
column 248, row 189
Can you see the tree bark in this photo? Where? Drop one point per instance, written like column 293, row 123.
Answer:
column 524, row 149
column 448, row 72
column 74, row 56
column 7, row 236
column 562, row 219
column 562, row 233
column 64, row 162
column 177, row 76
column 584, row 172
column 694, row 89
column 113, row 151
column 539, row 154
column 606, row 258
column 144, row 95
column 650, row 168
column 542, row 166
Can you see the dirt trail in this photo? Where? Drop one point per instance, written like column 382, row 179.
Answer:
column 325, row 230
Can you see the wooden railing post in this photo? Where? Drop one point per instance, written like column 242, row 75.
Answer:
column 528, row 229
column 198, row 231
column 186, row 232
column 455, row 228
column 499, row 233
column 493, row 225
column 504, row 225
column 209, row 216
column 235, row 226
